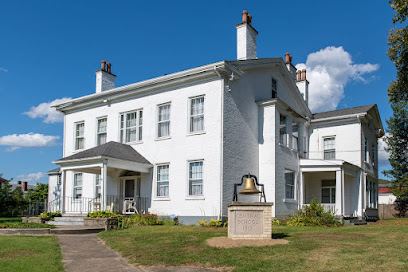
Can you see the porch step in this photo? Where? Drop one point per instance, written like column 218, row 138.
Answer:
column 355, row 222
column 68, row 221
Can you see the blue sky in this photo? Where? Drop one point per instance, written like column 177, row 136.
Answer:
column 50, row 50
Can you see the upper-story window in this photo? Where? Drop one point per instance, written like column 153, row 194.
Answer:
column 79, row 135
column 283, row 138
column 329, row 145
column 197, row 114
column 295, row 136
column 101, row 131
column 163, row 126
column 274, row 88
column 365, row 150
column 373, row 155
column 131, row 126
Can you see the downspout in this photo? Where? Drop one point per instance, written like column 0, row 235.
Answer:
column 221, row 143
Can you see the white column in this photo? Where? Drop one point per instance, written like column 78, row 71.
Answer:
column 63, row 184
column 302, row 190
column 339, row 192
column 104, row 174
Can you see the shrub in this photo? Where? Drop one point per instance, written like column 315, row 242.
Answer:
column 104, row 214
column 212, row 223
column 314, row 216
column 51, row 215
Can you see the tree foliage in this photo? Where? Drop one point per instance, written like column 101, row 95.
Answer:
column 40, row 193
column 12, row 202
column 397, row 139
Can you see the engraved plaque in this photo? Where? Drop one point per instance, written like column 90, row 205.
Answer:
column 248, row 222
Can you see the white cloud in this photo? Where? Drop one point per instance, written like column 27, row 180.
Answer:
column 328, row 71
column 15, row 141
column 382, row 154
column 31, row 177
column 2, row 69
column 46, row 112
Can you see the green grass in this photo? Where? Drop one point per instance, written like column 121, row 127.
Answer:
column 379, row 247
column 20, row 225
column 30, row 253
column 10, row 219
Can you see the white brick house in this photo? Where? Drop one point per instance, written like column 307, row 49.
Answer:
column 176, row 144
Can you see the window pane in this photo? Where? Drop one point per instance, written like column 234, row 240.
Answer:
column 333, row 195
column 164, row 129
column 326, row 183
column 290, row 184
column 102, row 125
column 325, row 195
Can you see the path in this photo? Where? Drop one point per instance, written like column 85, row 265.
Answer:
column 87, row 253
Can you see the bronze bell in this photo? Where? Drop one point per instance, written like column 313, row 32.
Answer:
column 249, row 187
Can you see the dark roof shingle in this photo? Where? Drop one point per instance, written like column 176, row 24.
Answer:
column 347, row 111
column 111, row 149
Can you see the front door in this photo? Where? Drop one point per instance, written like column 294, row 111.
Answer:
column 131, row 189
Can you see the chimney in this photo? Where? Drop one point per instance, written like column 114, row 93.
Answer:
column 246, row 38
column 303, row 84
column 25, row 186
column 289, row 65
column 105, row 80
column 19, row 182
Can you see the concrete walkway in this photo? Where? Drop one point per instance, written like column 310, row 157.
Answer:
column 86, row 252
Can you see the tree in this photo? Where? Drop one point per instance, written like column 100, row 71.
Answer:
column 39, row 193
column 397, row 140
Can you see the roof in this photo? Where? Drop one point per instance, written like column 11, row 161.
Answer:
column 54, row 171
column 111, row 149
column 3, row 180
column 342, row 112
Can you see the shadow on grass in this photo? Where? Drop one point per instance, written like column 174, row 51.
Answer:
column 279, row 235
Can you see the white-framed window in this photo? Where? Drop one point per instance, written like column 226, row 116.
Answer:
column 79, row 135
column 365, row 150
column 329, row 191
column 371, row 194
column 197, row 114
column 131, row 126
column 289, row 184
column 163, row 121
column 329, row 146
column 101, row 131
column 274, row 88
column 77, row 185
column 195, row 182
column 98, row 188
column 162, row 180
column 295, row 136
column 373, row 155
column 283, row 135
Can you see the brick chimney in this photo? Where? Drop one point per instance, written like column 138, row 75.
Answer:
column 289, row 65
column 19, row 182
column 246, row 38
column 303, row 84
column 105, row 80
column 25, row 186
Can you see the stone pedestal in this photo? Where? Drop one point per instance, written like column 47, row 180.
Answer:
column 247, row 220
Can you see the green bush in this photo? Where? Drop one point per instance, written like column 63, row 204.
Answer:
column 51, row 215
column 104, row 214
column 212, row 223
column 314, row 216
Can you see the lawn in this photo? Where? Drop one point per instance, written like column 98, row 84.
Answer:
column 15, row 223
column 10, row 219
column 30, row 253
column 382, row 246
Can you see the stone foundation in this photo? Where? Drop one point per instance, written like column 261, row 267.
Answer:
column 250, row 220
column 35, row 219
column 107, row 223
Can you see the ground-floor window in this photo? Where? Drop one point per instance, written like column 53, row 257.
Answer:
column 290, row 184
column 162, row 180
column 196, row 178
column 329, row 191
column 371, row 194
column 98, row 191
column 78, row 185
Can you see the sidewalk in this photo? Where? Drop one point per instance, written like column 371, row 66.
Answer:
column 83, row 253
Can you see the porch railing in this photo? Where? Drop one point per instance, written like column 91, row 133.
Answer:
column 327, row 207
column 117, row 204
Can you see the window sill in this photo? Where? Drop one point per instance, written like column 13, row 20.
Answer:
column 162, row 199
column 290, row 200
column 195, row 198
column 134, row 142
column 163, row 138
column 195, row 133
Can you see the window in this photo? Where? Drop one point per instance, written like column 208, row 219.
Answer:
column 295, row 136
column 373, row 155
column 365, row 150
column 79, row 135
column 196, row 178
column 163, row 180
column 131, row 126
column 290, row 184
column 101, row 131
column 78, row 185
column 98, row 191
column 371, row 194
column 329, row 191
column 197, row 114
column 283, row 139
column 163, row 121
column 274, row 88
column 329, row 146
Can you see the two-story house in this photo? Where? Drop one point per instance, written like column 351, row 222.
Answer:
column 177, row 144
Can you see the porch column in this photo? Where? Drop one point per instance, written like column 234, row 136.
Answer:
column 302, row 190
column 339, row 192
column 63, row 184
column 104, row 175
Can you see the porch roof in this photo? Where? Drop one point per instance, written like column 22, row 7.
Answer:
column 314, row 165
column 111, row 149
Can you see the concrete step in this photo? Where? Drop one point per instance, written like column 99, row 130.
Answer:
column 69, row 218
column 75, row 230
column 66, row 223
